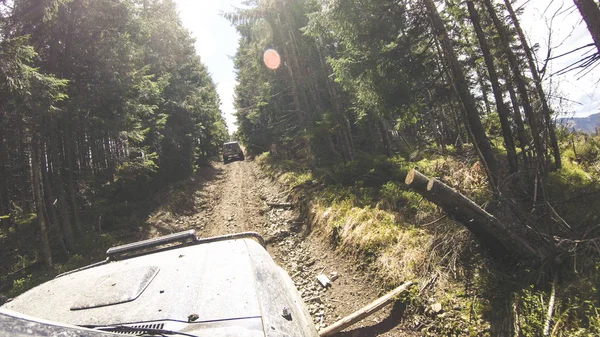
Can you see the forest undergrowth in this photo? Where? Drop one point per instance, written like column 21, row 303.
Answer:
column 111, row 222
column 366, row 212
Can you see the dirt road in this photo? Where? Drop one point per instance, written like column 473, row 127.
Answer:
column 236, row 198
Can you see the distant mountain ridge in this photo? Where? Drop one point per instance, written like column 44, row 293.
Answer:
column 584, row 124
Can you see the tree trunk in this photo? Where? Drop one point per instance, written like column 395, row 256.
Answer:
column 36, row 182
column 461, row 128
column 484, row 90
column 521, row 132
column 538, row 85
column 371, row 134
column 84, row 151
column 70, row 150
column 110, row 159
column 347, row 138
column 385, row 136
column 336, row 106
column 462, row 87
column 290, row 58
column 23, row 164
column 51, row 217
column 493, row 234
column 503, row 111
column 295, row 97
column 97, row 155
column 57, row 166
column 295, row 53
column 521, row 87
column 4, row 204
column 590, row 12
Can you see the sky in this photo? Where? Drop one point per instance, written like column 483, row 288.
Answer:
column 217, row 40
column 568, row 32
column 216, row 43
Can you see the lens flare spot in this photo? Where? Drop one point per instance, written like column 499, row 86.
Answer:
column 272, row 59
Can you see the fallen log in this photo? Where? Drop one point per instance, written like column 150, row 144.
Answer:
column 491, row 232
column 365, row 311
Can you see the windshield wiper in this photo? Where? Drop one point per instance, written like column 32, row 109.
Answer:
column 145, row 331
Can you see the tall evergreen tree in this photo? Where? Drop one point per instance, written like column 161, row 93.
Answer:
column 97, row 97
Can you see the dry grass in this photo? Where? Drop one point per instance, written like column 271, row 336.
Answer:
column 402, row 237
column 468, row 178
column 433, row 257
column 399, row 251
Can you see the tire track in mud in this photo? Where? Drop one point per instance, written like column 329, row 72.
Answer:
column 235, row 203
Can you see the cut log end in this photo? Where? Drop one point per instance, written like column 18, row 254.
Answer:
column 410, row 176
column 430, row 184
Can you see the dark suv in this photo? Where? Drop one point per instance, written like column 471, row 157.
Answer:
column 232, row 151
column 176, row 285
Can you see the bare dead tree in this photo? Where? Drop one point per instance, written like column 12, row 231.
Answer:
column 548, row 123
column 590, row 12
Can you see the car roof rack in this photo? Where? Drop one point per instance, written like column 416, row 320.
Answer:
column 184, row 238
column 189, row 235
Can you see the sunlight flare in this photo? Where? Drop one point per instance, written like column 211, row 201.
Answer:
column 272, row 59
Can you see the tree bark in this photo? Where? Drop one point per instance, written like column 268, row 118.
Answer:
column 521, row 132
column 484, row 90
column 51, row 217
column 57, row 166
column 36, row 175
column 385, row 136
column 538, row 85
column 23, row 164
column 4, row 204
column 84, row 151
column 462, row 87
column 70, row 149
column 503, row 111
column 110, row 156
column 590, row 12
column 97, row 155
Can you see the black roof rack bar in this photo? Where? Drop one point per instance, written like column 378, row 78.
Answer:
column 162, row 240
column 188, row 235
column 242, row 235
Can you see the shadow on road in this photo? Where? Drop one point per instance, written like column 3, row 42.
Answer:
column 179, row 200
column 390, row 322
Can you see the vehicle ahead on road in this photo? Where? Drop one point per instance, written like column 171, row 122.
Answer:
column 176, row 285
column 232, row 151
